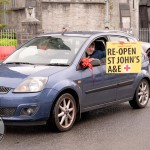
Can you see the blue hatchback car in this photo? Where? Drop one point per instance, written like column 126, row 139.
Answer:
column 44, row 82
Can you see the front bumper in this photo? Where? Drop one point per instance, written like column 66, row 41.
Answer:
column 12, row 106
column 24, row 123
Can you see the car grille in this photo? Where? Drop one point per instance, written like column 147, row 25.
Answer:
column 4, row 90
column 7, row 112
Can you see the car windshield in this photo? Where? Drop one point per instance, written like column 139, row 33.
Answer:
column 47, row 50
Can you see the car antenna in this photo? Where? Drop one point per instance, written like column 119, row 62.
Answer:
column 65, row 29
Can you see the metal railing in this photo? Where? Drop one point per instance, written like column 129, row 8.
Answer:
column 144, row 34
column 8, row 37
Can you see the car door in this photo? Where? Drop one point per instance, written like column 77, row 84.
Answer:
column 125, row 80
column 98, row 87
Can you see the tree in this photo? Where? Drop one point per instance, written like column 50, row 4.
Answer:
column 2, row 2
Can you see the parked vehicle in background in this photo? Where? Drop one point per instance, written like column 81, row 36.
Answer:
column 8, row 43
column 5, row 51
column 146, row 48
column 44, row 81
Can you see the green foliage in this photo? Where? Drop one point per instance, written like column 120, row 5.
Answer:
column 8, row 42
column 6, row 38
column 3, row 11
column 2, row 25
column 4, row 1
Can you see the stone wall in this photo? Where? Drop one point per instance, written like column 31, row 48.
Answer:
column 23, row 37
column 75, row 1
column 78, row 16
column 14, row 19
column 89, row 15
column 114, row 17
column 134, row 11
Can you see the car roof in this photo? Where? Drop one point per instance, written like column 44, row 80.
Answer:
column 89, row 33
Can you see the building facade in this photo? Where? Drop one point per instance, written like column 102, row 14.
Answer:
column 144, row 14
column 77, row 14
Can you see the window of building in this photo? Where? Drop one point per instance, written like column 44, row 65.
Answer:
column 126, row 22
column 125, row 15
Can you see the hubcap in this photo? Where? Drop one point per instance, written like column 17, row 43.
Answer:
column 66, row 112
column 143, row 93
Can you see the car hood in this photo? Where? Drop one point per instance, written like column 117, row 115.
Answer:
column 12, row 75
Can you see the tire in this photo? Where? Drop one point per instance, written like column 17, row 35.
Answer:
column 141, row 96
column 64, row 113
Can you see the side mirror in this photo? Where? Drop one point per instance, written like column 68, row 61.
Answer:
column 95, row 62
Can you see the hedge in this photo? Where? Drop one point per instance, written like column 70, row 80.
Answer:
column 8, row 42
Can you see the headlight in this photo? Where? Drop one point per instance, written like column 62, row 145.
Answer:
column 34, row 84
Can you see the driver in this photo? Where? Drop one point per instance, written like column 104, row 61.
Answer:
column 92, row 53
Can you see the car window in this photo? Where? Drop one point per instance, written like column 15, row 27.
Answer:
column 48, row 50
column 99, row 50
column 118, row 39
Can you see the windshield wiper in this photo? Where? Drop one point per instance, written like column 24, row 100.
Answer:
column 52, row 64
column 56, row 64
column 20, row 63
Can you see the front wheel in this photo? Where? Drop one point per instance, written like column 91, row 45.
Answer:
column 141, row 96
column 64, row 112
